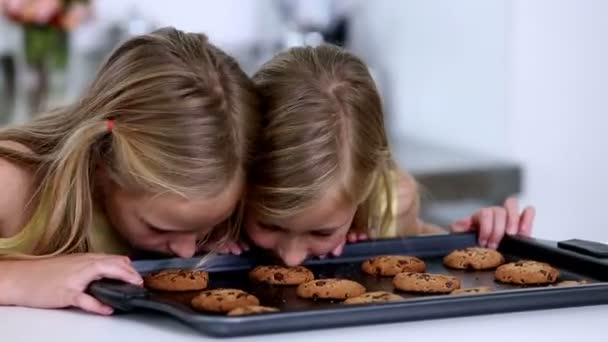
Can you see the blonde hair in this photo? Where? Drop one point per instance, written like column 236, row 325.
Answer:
column 322, row 127
column 184, row 116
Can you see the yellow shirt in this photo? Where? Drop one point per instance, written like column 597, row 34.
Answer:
column 405, row 207
column 381, row 198
column 102, row 237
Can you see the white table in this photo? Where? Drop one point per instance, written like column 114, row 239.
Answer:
column 572, row 324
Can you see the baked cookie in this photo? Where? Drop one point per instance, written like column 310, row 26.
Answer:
column 426, row 282
column 374, row 297
column 390, row 265
column 182, row 297
column 475, row 258
column 177, row 280
column 223, row 300
column 571, row 283
column 472, row 290
column 251, row 310
column 526, row 272
column 330, row 289
column 281, row 275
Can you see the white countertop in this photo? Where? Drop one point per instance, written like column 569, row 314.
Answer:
column 572, row 324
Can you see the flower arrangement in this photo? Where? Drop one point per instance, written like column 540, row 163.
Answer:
column 46, row 25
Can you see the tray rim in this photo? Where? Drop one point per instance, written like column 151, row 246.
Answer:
column 225, row 326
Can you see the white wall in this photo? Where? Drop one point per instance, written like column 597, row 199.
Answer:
column 445, row 67
column 228, row 23
column 559, row 112
column 522, row 79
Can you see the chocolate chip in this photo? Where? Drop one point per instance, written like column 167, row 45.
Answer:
column 320, row 282
column 219, row 299
column 403, row 262
column 449, row 284
column 378, row 270
column 543, row 272
column 279, row 276
column 192, row 277
column 240, row 295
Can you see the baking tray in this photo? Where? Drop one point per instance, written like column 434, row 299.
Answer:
column 301, row 314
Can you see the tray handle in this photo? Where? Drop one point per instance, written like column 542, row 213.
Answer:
column 116, row 294
column 585, row 247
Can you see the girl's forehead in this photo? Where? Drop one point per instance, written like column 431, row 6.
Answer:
column 193, row 212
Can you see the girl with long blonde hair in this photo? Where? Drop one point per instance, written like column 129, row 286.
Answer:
column 152, row 157
column 323, row 172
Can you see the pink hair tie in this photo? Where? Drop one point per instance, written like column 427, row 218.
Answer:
column 110, row 125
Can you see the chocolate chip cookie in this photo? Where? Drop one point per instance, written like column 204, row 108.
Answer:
column 281, row 275
column 526, row 272
column 390, row 265
column 177, row 280
column 374, row 297
column 475, row 258
column 425, row 282
column 338, row 289
column 223, row 300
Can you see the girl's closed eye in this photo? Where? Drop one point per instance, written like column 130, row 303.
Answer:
column 323, row 232
column 155, row 229
column 270, row 227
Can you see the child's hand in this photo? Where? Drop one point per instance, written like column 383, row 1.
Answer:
column 234, row 247
column 61, row 282
column 229, row 247
column 492, row 223
column 351, row 237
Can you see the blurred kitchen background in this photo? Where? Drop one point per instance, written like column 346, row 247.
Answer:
column 484, row 98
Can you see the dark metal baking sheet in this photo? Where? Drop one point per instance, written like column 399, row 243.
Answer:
column 297, row 313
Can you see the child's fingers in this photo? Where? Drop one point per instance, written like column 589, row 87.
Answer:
column 112, row 270
column 512, row 207
column 244, row 245
column 235, row 249
column 462, row 225
column 352, row 237
column 338, row 250
column 526, row 222
column 90, row 304
column 498, row 230
column 485, row 217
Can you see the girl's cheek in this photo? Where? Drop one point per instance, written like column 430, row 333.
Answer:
column 261, row 239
